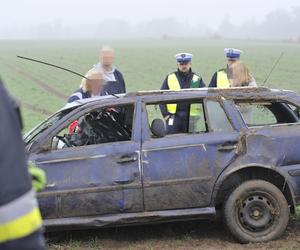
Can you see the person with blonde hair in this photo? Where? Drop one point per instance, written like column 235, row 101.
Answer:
column 91, row 86
column 220, row 79
column 239, row 75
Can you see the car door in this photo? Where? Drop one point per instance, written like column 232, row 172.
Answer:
column 179, row 170
column 94, row 179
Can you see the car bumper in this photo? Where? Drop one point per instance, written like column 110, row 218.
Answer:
column 292, row 173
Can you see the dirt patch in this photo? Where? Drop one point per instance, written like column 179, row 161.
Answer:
column 206, row 235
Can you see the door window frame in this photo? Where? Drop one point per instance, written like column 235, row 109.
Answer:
column 75, row 114
column 222, row 106
column 263, row 101
column 222, row 102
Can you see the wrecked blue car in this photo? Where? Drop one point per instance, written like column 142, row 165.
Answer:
column 109, row 161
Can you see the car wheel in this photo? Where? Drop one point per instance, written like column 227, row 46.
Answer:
column 256, row 211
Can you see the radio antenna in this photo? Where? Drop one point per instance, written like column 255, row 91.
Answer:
column 272, row 69
column 52, row 65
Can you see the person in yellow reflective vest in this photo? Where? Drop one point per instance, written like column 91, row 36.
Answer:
column 177, row 115
column 221, row 78
column 20, row 218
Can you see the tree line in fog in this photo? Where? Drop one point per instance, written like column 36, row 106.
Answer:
column 277, row 25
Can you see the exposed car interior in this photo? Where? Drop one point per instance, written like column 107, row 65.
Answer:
column 99, row 126
column 193, row 124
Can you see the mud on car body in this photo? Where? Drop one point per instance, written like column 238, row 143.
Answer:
column 240, row 157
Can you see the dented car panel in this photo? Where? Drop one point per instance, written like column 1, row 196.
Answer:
column 179, row 176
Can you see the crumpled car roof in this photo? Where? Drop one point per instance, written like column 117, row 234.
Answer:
column 228, row 93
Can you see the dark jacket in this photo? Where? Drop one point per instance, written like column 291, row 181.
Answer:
column 185, row 83
column 116, row 87
column 14, row 178
column 78, row 95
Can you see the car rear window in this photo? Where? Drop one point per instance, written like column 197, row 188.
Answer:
column 267, row 113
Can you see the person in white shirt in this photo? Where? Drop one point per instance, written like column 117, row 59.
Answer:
column 112, row 76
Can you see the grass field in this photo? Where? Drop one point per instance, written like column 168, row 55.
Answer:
column 42, row 90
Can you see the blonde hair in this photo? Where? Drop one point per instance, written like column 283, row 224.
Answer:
column 240, row 74
column 92, row 74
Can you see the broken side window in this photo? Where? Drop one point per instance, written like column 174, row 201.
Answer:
column 267, row 113
column 51, row 121
column 104, row 125
column 187, row 116
column 218, row 119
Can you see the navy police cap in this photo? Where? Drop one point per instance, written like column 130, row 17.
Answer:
column 233, row 54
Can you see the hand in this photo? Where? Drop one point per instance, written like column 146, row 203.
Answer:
column 38, row 175
column 167, row 117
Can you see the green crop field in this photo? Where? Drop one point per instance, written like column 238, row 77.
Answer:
column 42, row 90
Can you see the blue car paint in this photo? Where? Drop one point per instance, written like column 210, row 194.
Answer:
column 166, row 175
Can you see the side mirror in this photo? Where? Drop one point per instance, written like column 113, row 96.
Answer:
column 158, row 128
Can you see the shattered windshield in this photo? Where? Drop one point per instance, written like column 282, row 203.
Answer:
column 31, row 135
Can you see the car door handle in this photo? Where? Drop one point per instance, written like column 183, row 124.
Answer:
column 127, row 159
column 227, row 147
column 123, row 182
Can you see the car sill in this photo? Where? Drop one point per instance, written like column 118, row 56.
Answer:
column 129, row 218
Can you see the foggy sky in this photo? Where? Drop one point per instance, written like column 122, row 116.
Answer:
column 89, row 18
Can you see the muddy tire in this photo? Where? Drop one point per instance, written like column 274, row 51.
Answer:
column 256, row 211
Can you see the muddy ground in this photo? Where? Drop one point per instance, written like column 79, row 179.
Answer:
column 206, row 235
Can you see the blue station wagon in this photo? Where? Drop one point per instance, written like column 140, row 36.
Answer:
column 110, row 161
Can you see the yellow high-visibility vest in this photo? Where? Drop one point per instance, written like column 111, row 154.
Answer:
column 174, row 84
column 19, row 218
column 222, row 79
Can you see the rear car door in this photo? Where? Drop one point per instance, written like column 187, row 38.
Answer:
column 94, row 179
column 179, row 170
